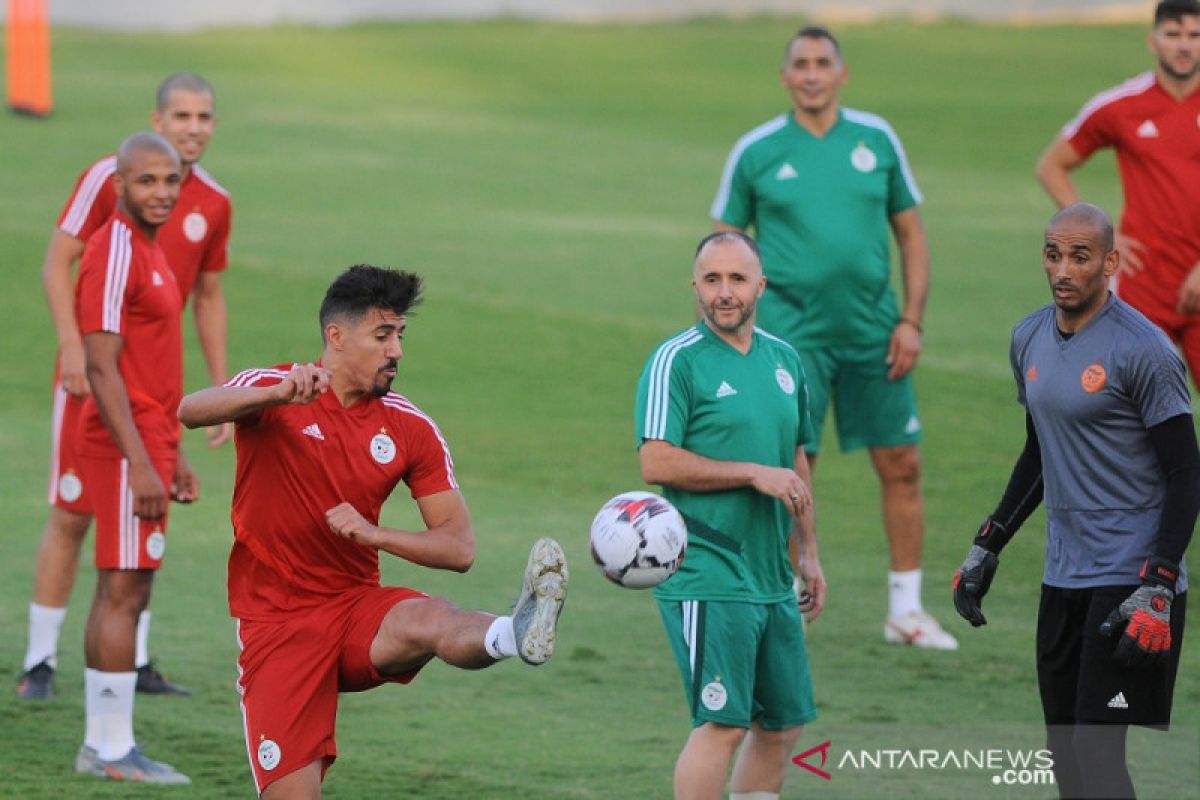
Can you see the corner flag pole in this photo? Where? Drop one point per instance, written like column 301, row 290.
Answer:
column 29, row 57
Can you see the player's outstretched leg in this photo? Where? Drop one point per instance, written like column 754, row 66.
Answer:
column 543, row 593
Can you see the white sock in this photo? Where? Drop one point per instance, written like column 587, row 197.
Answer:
column 904, row 592
column 44, row 625
column 754, row 796
column 108, row 702
column 142, row 655
column 500, row 641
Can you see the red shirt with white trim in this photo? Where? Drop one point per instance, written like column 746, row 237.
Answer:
column 1157, row 143
column 195, row 237
column 126, row 288
column 294, row 462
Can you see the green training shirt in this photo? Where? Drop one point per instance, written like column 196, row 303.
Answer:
column 820, row 208
column 699, row 393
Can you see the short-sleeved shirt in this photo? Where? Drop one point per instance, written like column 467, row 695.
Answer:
column 1156, row 139
column 295, row 462
column 699, row 393
column 1093, row 398
column 126, row 288
column 195, row 237
column 820, row 208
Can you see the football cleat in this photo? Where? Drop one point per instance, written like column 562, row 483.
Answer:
column 151, row 681
column 133, row 766
column 543, row 593
column 919, row 629
column 37, row 682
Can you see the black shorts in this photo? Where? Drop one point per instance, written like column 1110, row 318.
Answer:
column 1077, row 676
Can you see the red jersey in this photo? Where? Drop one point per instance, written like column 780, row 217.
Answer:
column 195, row 237
column 1157, row 144
column 125, row 287
column 294, row 462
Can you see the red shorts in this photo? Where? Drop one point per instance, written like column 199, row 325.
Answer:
column 66, row 482
column 1152, row 299
column 123, row 539
column 291, row 670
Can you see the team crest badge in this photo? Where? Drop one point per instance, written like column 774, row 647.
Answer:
column 785, row 380
column 383, row 449
column 863, row 159
column 195, row 226
column 1093, row 378
column 714, row 696
column 156, row 545
column 70, row 488
column 269, row 754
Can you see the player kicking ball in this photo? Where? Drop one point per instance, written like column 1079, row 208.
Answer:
column 320, row 447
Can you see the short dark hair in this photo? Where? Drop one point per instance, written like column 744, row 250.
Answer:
column 1175, row 10
column 184, row 81
column 363, row 287
column 719, row 236
column 818, row 32
column 145, row 141
column 1088, row 214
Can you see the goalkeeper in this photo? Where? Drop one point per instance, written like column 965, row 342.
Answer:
column 1111, row 449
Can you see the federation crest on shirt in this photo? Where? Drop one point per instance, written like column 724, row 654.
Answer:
column 383, row 449
column 862, row 158
column 785, row 380
column 195, row 226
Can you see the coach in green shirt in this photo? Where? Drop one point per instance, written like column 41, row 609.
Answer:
column 722, row 418
column 821, row 186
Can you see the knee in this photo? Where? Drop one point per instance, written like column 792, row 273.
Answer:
column 899, row 465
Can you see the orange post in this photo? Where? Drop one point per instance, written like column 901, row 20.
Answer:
column 29, row 57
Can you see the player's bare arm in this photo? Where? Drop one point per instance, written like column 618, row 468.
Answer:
column 904, row 348
column 802, row 549
column 63, row 251
column 447, row 543
column 1189, row 292
column 1053, row 172
column 219, row 404
column 665, row 464
column 212, row 331
column 103, row 352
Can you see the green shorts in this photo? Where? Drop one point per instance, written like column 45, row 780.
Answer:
column 870, row 410
column 741, row 662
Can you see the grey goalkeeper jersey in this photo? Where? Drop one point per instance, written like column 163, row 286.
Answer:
column 1092, row 398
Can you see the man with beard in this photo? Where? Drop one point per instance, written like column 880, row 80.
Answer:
column 1152, row 122
column 722, row 422
column 320, row 447
column 1111, row 450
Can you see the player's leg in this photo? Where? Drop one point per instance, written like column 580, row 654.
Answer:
column 703, row 763
column 303, row 784
column 1061, row 617
column 903, row 505
column 783, row 702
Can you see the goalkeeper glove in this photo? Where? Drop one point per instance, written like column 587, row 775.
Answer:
column 1147, row 617
column 974, row 577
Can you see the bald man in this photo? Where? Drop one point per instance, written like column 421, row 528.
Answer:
column 128, row 307
column 1111, row 450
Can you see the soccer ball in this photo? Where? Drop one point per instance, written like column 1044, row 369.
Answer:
column 638, row 540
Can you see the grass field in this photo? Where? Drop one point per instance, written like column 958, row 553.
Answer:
column 550, row 182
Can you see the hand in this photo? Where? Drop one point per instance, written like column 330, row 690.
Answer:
column 809, row 587
column 1132, row 252
column 304, row 382
column 1146, row 641
column 185, row 485
column 149, row 494
column 72, row 370
column 972, row 581
column 1189, row 293
column 344, row 520
column 903, row 349
column 785, row 485
column 218, row 435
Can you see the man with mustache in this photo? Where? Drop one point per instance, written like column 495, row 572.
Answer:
column 826, row 188
column 1111, row 450
column 1152, row 123
column 722, row 418
column 320, row 447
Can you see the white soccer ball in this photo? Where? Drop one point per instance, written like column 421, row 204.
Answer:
column 638, row 540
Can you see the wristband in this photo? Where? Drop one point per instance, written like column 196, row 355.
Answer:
column 992, row 536
column 912, row 322
column 1160, row 572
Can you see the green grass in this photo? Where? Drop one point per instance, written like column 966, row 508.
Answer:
column 550, row 182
